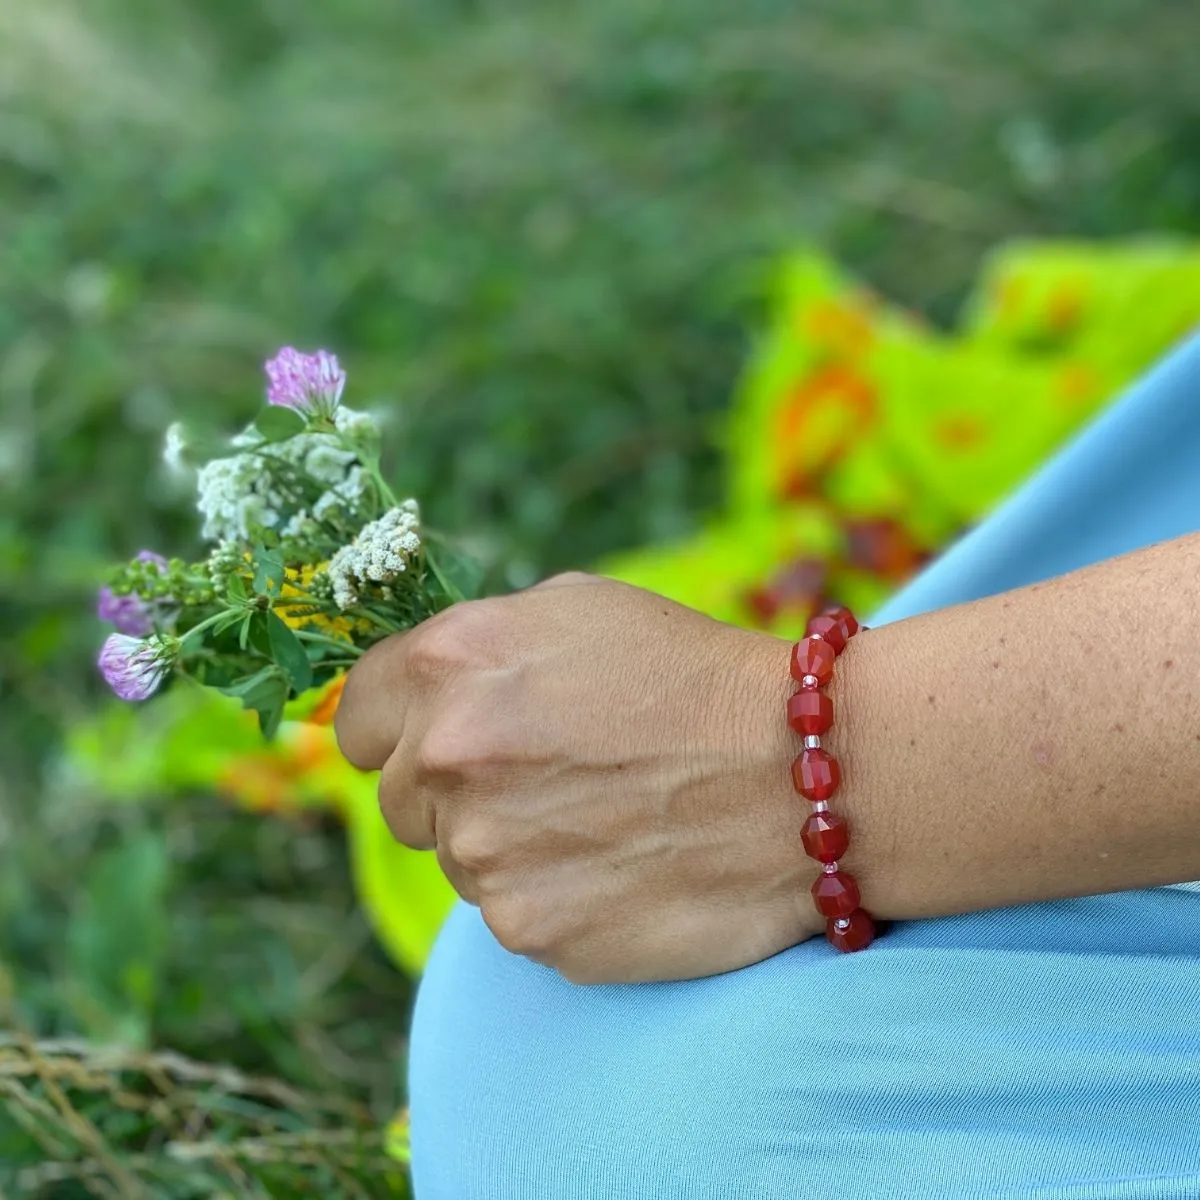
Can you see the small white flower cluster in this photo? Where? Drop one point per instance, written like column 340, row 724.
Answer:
column 381, row 551
column 360, row 429
column 243, row 492
column 174, row 446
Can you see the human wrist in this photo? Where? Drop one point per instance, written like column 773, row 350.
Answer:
column 758, row 772
column 762, row 748
column 858, row 690
column 769, row 749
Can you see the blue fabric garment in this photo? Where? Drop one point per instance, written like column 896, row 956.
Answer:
column 1048, row 1051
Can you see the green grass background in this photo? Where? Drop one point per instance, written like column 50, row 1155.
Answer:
column 540, row 233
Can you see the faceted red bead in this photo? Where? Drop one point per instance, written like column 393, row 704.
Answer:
column 813, row 656
column 816, row 774
column 831, row 629
column 843, row 614
column 858, row 935
column 810, row 711
column 836, row 894
column 825, row 837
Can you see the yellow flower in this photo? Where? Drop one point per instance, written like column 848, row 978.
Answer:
column 295, row 609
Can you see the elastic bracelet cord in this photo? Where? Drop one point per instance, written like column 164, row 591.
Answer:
column 816, row 775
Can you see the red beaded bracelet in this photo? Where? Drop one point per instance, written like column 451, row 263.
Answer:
column 816, row 775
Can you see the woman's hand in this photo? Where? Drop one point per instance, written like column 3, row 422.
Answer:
column 603, row 772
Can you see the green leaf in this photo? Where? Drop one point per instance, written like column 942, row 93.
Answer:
column 259, row 636
column 245, row 686
column 459, row 576
column 277, row 424
column 237, row 589
column 228, row 621
column 265, row 692
column 268, row 571
column 287, row 651
column 270, row 712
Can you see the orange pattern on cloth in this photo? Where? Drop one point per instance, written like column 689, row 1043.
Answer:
column 862, row 441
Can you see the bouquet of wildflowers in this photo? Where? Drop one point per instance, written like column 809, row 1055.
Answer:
column 312, row 560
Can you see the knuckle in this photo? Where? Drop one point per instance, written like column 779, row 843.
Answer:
column 438, row 761
column 474, row 845
column 437, row 648
column 454, row 639
column 521, row 926
column 406, row 810
column 458, row 748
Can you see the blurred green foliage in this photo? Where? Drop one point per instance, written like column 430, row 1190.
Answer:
column 538, row 233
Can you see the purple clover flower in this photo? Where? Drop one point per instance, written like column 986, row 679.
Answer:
column 311, row 384
column 130, row 614
column 133, row 667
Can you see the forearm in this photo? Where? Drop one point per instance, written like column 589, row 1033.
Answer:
column 1033, row 745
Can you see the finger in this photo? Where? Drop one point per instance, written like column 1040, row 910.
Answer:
column 462, row 882
column 408, row 809
column 369, row 722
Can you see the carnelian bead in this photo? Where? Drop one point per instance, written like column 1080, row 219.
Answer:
column 826, row 837
column 843, row 614
column 809, row 711
column 832, row 629
column 836, row 894
column 816, row 774
column 858, row 934
column 813, row 656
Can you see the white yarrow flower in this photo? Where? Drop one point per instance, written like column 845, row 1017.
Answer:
column 243, row 491
column 324, row 461
column 381, row 552
column 356, row 424
column 360, row 429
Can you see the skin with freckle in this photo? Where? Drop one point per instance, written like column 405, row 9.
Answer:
column 1039, row 1049
column 502, row 725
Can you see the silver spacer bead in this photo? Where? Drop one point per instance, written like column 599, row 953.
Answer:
column 810, row 681
column 830, row 868
column 812, row 742
column 820, row 806
column 842, row 923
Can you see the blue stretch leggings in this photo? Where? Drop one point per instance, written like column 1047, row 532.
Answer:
column 1050, row 1051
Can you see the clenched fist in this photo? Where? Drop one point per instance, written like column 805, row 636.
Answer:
column 603, row 772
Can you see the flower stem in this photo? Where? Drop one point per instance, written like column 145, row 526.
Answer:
column 320, row 639
column 368, row 614
column 207, row 623
column 386, row 496
column 447, row 586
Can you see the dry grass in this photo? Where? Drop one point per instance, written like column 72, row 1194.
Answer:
column 118, row 1124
